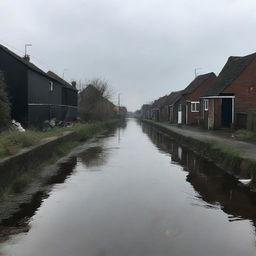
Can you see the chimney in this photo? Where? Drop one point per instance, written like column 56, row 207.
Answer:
column 73, row 84
column 26, row 57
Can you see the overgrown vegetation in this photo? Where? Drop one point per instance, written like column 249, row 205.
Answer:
column 94, row 102
column 4, row 105
column 17, row 140
column 244, row 135
column 13, row 141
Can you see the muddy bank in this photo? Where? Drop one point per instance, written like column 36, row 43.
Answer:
column 228, row 160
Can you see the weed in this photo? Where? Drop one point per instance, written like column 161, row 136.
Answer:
column 244, row 134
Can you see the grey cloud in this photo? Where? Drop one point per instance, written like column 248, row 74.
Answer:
column 145, row 48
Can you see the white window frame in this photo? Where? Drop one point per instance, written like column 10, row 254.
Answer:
column 206, row 104
column 193, row 106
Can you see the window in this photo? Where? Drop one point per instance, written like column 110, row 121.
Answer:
column 206, row 103
column 195, row 106
column 180, row 108
column 51, row 86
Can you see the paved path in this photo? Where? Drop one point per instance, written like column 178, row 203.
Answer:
column 245, row 149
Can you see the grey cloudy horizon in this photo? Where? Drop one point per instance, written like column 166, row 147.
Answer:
column 144, row 48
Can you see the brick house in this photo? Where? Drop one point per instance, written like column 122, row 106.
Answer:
column 232, row 95
column 169, row 110
column 146, row 111
column 156, row 113
column 189, row 104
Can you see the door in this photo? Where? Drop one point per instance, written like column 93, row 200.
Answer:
column 226, row 112
column 180, row 114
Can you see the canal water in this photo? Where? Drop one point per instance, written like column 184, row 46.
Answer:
column 135, row 192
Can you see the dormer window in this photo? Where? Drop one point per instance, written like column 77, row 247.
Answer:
column 51, row 86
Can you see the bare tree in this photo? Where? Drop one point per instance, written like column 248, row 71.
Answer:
column 94, row 101
column 103, row 87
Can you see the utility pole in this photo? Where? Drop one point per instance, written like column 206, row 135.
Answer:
column 119, row 99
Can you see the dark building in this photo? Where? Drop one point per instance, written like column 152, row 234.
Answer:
column 36, row 96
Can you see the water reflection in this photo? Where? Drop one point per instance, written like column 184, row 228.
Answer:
column 215, row 188
column 151, row 199
column 19, row 222
column 93, row 156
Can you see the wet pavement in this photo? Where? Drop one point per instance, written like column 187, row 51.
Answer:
column 135, row 192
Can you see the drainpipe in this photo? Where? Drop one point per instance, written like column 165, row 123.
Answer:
column 233, row 110
column 186, row 113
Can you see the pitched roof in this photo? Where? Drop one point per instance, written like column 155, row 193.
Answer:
column 197, row 82
column 232, row 69
column 159, row 102
column 173, row 97
column 146, row 107
column 22, row 60
column 60, row 80
column 33, row 67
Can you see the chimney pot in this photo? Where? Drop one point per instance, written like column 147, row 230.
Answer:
column 26, row 57
column 73, row 84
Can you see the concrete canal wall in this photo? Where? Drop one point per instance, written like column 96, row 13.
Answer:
column 224, row 155
column 32, row 157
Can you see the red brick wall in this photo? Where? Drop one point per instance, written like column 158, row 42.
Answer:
column 164, row 113
column 244, row 88
column 217, row 113
column 195, row 96
column 211, row 118
column 194, row 117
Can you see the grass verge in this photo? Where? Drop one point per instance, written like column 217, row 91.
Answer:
column 244, row 134
column 11, row 142
column 16, row 180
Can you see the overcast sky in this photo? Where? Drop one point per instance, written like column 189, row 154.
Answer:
column 144, row 48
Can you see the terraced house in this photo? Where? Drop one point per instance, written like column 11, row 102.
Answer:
column 156, row 110
column 232, row 96
column 169, row 110
column 36, row 96
column 189, row 104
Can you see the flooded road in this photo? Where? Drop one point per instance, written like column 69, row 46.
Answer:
column 133, row 193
